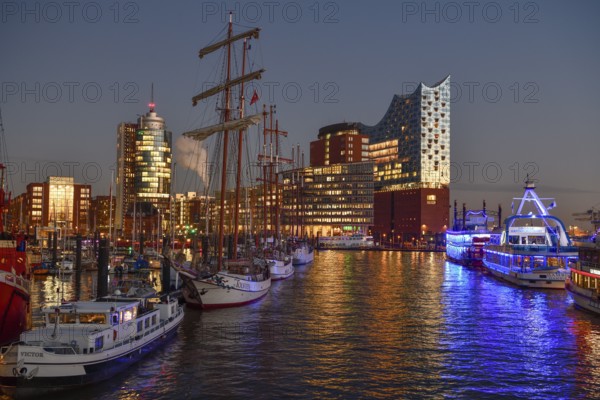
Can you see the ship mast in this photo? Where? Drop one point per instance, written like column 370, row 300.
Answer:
column 4, row 203
column 225, row 144
column 227, row 123
column 270, row 174
column 236, row 206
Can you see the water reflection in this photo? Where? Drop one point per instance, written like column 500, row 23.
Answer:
column 371, row 324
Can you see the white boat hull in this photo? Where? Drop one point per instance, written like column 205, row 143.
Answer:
column 224, row 289
column 27, row 370
column 280, row 269
column 303, row 255
column 543, row 279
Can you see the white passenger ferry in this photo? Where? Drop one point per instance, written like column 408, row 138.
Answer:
column 534, row 250
column 356, row 241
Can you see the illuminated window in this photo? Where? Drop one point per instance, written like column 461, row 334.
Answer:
column 431, row 199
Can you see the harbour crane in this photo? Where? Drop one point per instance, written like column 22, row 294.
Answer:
column 592, row 215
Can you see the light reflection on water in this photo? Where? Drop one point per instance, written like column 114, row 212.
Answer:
column 372, row 324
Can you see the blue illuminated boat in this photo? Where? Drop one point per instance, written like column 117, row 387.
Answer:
column 465, row 241
column 86, row 342
column 584, row 283
column 534, row 249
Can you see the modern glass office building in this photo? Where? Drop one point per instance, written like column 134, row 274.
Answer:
column 144, row 165
column 153, row 161
column 328, row 200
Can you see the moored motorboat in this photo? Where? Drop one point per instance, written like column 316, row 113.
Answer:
column 86, row 342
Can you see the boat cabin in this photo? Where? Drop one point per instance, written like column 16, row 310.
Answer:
column 88, row 327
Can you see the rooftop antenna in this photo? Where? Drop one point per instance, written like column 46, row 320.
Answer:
column 151, row 104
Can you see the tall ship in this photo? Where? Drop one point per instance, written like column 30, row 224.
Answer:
column 86, row 342
column 356, row 241
column 465, row 241
column 275, row 251
column 534, row 249
column 14, row 278
column 228, row 278
column 584, row 283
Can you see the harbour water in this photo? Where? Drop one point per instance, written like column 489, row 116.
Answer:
column 370, row 325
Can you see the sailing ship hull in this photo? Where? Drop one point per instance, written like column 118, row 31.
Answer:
column 28, row 370
column 224, row 290
column 543, row 279
column 14, row 306
column 280, row 269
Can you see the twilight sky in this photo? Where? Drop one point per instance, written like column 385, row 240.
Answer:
column 524, row 76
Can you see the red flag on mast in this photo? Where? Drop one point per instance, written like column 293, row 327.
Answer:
column 254, row 98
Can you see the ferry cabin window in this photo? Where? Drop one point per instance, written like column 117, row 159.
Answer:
column 127, row 315
column 92, row 318
column 140, row 326
column 513, row 239
column 62, row 318
column 146, row 322
column 536, row 240
column 154, row 319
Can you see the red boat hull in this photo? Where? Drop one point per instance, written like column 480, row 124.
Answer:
column 14, row 311
column 14, row 289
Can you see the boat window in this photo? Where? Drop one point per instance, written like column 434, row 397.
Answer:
column 63, row 318
column 154, row 319
column 92, row 318
column 139, row 326
column 127, row 315
column 115, row 319
column 513, row 239
column 146, row 322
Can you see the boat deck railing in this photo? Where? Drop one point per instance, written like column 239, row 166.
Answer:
column 532, row 248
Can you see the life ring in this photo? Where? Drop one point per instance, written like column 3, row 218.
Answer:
column 114, row 335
